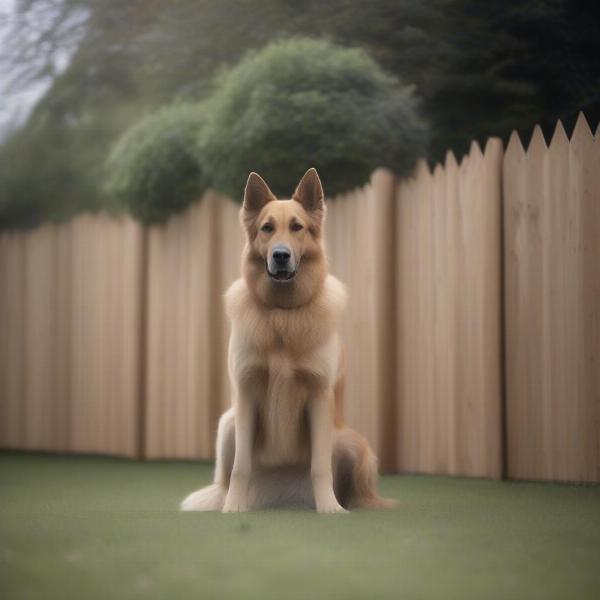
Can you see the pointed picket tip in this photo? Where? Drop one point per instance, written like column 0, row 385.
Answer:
column 560, row 135
column 422, row 168
column 515, row 146
column 381, row 174
column 383, row 182
column 582, row 132
column 475, row 149
column 559, row 144
column 493, row 144
column 514, row 154
column 537, row 144
column 597, row 133
column 450, row 161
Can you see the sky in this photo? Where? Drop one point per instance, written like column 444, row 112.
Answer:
column 15, row 104
column 17, row 101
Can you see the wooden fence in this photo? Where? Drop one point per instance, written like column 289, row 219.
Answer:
column 191, row 261
column 472, row 331
column 552, row 307
column 448, row 316
column 70, row 327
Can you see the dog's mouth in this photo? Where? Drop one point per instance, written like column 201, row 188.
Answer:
column 281, row 275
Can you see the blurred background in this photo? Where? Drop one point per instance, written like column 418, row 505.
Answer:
column 76, row 74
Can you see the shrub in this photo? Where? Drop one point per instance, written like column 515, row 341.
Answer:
column 153, row 168
column 302, row 103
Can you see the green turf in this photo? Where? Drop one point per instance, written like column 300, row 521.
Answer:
column 109, row 528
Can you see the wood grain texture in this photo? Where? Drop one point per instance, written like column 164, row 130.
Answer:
column 12, row 340
column 68, row 315
column 360, row 237
column 449, row 306
column 552, row 200
column 180, row 357
column 230, row 238
column 39, row 355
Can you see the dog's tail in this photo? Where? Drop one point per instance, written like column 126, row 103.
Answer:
column 212, row 497
column 365, row 482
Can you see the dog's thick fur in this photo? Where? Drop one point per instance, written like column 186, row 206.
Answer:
column 284, row 442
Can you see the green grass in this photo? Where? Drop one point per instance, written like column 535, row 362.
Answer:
column 108, row 528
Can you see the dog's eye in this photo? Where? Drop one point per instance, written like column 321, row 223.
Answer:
column 296, row 227
column 267, row 228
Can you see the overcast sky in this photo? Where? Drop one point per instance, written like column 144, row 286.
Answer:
column 16, row 103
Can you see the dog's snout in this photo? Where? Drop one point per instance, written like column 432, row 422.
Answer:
column 281, row 255
column 280, row 264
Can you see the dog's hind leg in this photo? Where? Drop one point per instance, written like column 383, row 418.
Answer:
column 212, row 497
column 355, row 472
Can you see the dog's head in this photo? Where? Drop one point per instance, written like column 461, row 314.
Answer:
column 284, row 237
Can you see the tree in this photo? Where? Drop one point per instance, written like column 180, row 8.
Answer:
column 478, row 69
column 153, row 169
column 514, row 64
column 302, row 103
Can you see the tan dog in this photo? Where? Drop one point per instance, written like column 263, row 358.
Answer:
column 284, row 443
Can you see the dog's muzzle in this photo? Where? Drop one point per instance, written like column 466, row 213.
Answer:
column 280, row 264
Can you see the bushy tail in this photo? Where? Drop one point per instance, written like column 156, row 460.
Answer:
column 365, row 483
column 212, row 497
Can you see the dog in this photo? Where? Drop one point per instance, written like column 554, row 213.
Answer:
column 284, row 442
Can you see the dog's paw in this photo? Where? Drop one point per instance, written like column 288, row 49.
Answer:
column 331, row 508
column 235, row 505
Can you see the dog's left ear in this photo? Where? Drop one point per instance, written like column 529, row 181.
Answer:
column 310, row 191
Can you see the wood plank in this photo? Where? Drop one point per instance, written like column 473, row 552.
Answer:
column 552, row 309
column 383, row 205
column 12, row 373
column 155, row 350
column 514, row 187
column 583, row 281
column 453, row 299
column 39, row 309
column 440, row 323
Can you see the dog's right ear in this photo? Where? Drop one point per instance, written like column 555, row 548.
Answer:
column 256, row 194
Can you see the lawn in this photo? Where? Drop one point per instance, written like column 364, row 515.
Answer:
column 103, row 528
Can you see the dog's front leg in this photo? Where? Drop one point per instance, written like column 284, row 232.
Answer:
column 237, row 495
column 321, row 433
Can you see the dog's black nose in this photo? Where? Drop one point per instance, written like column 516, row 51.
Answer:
column 281, row 255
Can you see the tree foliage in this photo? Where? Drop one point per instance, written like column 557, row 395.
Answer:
column 302, row 103
column 153, row 169
column 479, row 69
column 513, row 64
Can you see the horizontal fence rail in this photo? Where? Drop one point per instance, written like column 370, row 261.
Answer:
column 472, row 331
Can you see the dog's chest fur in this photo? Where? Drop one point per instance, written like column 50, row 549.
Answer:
column 281, row 359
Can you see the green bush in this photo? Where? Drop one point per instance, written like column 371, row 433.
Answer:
column 302, row 103
column 153, row 169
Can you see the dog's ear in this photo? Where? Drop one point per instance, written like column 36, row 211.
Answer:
column 310, row 191
column 256, row 194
